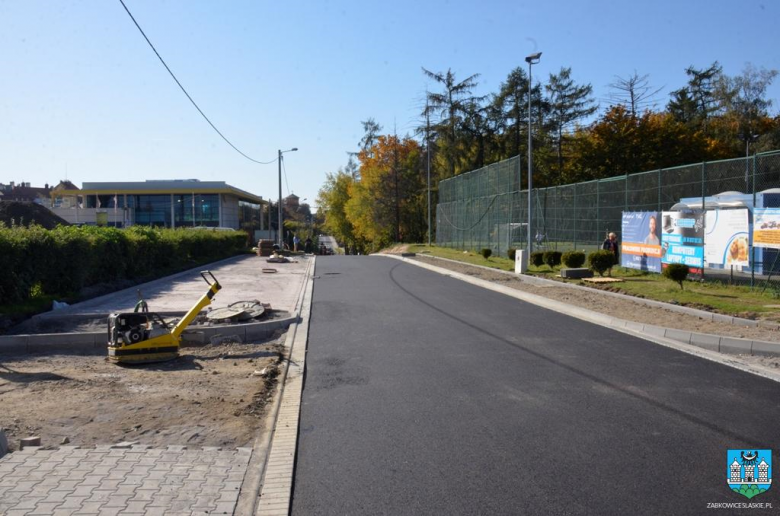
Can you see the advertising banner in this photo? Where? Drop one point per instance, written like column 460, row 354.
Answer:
column 726, row 237
column 682, row 238
column 641, row 247
column 766, row 227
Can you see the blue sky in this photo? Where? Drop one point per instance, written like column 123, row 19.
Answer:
column 83, row 96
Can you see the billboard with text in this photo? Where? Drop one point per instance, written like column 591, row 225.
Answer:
column 641, row 247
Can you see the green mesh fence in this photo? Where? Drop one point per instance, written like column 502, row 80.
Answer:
column 486, row 208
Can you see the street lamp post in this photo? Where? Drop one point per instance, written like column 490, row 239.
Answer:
column 531, row 60
column 280, row 230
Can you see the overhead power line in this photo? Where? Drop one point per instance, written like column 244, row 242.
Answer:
column 187, row 94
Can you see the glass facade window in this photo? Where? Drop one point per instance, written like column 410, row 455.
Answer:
column 106, row 201
column 153, row 210
column 166, row 210
column 204, row 211
column 249, row 215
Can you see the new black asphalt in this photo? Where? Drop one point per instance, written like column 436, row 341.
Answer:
column 427, row 395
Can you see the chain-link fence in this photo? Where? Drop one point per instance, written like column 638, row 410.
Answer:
column 486, row 208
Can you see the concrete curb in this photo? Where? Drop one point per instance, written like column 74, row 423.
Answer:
column 275, row 495
column 91, row 341
column 720, row 344
column 250, row 488
column 707, row 316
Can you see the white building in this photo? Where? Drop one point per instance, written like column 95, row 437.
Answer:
column 166, row 203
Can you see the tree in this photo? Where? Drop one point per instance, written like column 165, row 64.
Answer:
column 371, row 131
column 388, row 203
column 450, row 107
column 512, row 104
column 683, row 107
column 332, row 200
column 634, row 92
column 745, row 102
column 568, row 104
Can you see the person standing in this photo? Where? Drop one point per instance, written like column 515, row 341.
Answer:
column 611, row 244
column 296, row 243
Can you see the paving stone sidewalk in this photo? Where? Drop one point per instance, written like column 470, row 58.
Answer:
column 111, row 480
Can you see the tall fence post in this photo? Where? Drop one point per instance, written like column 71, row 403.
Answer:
column 753, row 244
column 575, row 216
column 625, row 197
column 660, row 175
column 558, row 206
column 598, row 209
column 703, row 209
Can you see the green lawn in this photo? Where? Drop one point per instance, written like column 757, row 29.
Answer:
column 715, row 297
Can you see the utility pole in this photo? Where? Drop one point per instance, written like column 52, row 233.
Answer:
column 280, row 229
column 428, row 148
column 531, row 60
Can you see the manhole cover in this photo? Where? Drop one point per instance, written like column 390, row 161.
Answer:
column 228, row 312
column 249, row 309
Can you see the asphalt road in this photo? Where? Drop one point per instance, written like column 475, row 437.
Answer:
column 427, row 395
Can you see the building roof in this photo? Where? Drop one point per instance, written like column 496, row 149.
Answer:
column 26, row 193
column 65, row 185
column 174, row 186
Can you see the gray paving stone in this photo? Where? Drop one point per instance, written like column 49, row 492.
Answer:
column 110, row 511
column 73, row 502
column 136, row 481
column 28, row 503
column 61, row 511
column 89, row 507
column 44, row 509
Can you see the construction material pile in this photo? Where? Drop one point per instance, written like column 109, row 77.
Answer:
column 20, row 213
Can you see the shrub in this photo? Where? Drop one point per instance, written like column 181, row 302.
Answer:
column 573, row 259
column 537, row 258
column 552, row 258
column 676, row 272
column 510, row 253
column 486, row 252
column 62, row 261
column 601, row 261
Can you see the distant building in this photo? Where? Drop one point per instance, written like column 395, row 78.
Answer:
column 62, row 195
column 291, row 202
column 25, row 192
column 166, row 203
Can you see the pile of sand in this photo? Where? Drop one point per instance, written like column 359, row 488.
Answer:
column 26, row 213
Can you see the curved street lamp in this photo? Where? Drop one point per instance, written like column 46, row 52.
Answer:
column 280, row 230
column 531, row 60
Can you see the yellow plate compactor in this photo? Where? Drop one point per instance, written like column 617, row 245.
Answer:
column 144, row 337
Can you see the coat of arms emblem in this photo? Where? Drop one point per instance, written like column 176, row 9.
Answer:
column 749, row 472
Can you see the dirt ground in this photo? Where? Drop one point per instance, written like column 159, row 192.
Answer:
column 214, row 395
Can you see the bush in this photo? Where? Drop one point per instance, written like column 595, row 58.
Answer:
column 60, row 262
column 676, row 272
column 552, row 258
column 486, row 252
column 601, row 261
column 573, row 259
column 537, row 258
column 510, row 253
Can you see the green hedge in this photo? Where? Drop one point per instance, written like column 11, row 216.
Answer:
column 573, row 259
column 63, row 260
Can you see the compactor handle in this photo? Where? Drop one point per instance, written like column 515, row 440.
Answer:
column 213, row 279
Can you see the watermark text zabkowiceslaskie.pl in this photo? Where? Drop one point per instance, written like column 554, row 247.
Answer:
column 738, row 505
